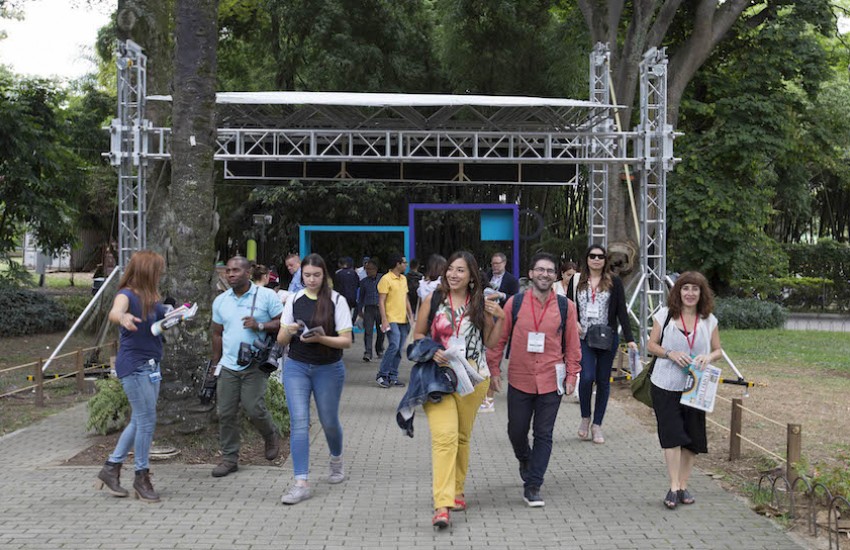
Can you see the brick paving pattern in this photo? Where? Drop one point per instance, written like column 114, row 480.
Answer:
column 597, row 496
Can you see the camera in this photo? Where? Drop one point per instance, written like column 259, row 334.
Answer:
column 263, row 353
column 268, row 353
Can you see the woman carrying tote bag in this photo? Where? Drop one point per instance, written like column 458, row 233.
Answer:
column 601, row 304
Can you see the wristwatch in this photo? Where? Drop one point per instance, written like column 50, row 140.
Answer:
column 261, row 326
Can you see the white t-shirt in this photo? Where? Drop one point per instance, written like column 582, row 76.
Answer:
column 667, row 374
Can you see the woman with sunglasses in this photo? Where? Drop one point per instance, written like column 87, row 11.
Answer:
column 600, row 300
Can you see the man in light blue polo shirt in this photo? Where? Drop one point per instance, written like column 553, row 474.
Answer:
column 243, row 313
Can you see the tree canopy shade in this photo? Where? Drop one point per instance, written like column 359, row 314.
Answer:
column 40, row 176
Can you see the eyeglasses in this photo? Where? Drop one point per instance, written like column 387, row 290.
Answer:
column 542, row 270
column 596, row 256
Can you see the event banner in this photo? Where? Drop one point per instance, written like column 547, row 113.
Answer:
column 701, row 388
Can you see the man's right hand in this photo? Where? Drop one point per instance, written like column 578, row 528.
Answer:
column 495, row 384
column 385, row 327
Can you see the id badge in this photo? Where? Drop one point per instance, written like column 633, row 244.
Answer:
column 155, row 376
column 592, row 310
column 536, row 342
column 457, row 342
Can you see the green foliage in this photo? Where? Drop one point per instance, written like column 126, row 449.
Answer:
column 27, row 312
column 836, row 477
column 827, row 259
column 74, row 304
column 797, row 292
column 749, row 313
column 14, row 275
column 276, row 404
column 39, row 175
column 109, row 409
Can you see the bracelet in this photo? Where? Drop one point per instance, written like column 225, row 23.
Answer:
column 666, row 354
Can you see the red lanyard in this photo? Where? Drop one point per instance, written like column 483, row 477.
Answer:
column 691, row 338
column 456, row 326
column 534, row 317
column 592, row 291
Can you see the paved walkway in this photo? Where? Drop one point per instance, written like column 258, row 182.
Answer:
column 597, row 496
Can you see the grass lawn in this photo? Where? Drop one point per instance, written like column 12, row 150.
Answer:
column 808, row 349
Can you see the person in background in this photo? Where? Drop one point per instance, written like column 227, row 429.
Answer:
column 601, row 300
column 395, row 320
column 346, row 282
column 293, row 265
column 314, row 366
column 136, row 307
column 414, row 277
column 361, row 271
column 433, row 271
column 260, row 275
column 691, row 340
column 367, row 308
column 499, row 279
column 460, row 313
column 563, row 287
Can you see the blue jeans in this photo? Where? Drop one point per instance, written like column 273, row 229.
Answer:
column 142, row 393
column 541, row 410
column 325, row 383
column 596, row 367
column 396, row 337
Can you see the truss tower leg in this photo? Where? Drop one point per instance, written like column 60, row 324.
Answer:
column 127, row 149
column 655, row 154
column 598, row 174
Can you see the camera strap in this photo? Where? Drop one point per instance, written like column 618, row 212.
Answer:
column 264, row 335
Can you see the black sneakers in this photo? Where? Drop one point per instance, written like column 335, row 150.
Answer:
column 523, row 469
column 531, row 496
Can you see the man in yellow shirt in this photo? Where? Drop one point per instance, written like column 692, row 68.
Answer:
column 395, row 315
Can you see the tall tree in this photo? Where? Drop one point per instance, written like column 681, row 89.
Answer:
column 691, row 30
column 188, row 212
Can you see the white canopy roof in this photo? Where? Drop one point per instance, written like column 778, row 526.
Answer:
column 386, row 99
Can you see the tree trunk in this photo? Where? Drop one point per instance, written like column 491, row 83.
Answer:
column 649, row 23
column 189, row 213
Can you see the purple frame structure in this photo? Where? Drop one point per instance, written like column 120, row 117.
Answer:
column 413, row 207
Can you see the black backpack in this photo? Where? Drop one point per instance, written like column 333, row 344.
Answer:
column 563, row 304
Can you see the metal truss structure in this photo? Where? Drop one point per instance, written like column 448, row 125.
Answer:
column 127, row 136
column 279, row 136
column 655, row 148
column 598, row 174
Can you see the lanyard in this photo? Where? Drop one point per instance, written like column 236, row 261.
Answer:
column 534, row 317
column 592, row 290
column 691, row 338
column 456, row 326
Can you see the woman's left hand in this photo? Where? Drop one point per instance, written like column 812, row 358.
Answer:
column 492, row 307
column 311, row 338
column 633, row 346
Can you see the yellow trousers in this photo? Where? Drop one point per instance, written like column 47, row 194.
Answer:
column 451, row 422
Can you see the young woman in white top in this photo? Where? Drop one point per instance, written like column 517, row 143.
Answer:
column 691, row 341
column 562, row 287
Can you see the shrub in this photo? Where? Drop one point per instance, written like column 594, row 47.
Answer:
column 749, row 313
column 14, row 275
column 828, row 259
column 276, row 404
column 109, row 408
column 74, row 305
column 801, row 292
column 28, row 312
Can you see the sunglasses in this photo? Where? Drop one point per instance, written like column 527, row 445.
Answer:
column 596, row 256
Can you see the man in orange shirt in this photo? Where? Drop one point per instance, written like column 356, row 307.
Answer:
column 537, row 347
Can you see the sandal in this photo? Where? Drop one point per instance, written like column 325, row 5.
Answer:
column 583, row 428
column 441, row 520
column 460, row 504
column 671, row 500
column 685, row 496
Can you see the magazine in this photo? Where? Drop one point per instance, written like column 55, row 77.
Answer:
column 701, row 388
column 304, row 332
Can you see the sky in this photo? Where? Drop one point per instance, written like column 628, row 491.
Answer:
column 53, row 38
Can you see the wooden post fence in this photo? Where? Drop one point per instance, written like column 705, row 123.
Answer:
column 38, row 376
column 735, row 426
column 81, row 373
column 793, row 451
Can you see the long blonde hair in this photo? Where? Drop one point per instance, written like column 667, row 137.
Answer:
column 142, row 277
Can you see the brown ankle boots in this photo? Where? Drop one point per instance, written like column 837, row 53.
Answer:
column 143, row 488
column 110, row 476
